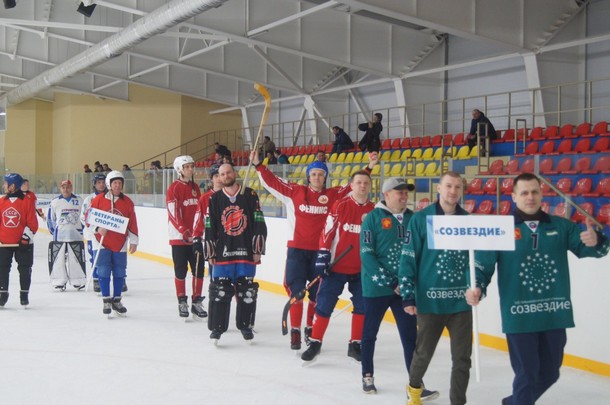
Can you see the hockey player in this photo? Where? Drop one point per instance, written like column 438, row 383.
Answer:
column 384, row 231
column 25, row 187
column 341, row 231
column 422, row 275
column 112, row 254
column 66, row 250
column 535, row 275
column 307, row 208
column 202, row 208
column 182, row 199
column 17, row 212
column 99, row 187
column 235, row 235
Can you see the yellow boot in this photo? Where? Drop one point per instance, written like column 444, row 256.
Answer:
column 414, row 395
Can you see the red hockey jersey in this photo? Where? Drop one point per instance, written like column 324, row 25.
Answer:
column 306, row 209
column 182, row 200
column 117, row 242
column 202, row 208
column 18, row 212
column 342, row 229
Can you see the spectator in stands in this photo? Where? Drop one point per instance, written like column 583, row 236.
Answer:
column 222, row 150
column 371, row 141
column 87, row 169
column 282, row 159
column 321, row 156
column 271, row 159
column 342, row 140
column 479, row 118
column 98, row 168
column 106, row 168
column 268, row 146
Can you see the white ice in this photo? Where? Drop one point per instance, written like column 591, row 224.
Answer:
column 63, row 350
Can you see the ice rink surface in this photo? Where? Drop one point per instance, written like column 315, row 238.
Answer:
column 63, row 350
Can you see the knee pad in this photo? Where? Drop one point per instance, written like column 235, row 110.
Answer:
column 221, row 293
column 247, row 292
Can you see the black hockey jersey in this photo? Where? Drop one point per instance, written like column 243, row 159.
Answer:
column 235, row 228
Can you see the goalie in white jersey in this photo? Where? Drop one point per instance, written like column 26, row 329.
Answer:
column 67, row 250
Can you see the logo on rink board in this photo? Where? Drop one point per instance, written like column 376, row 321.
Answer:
column 106, row 220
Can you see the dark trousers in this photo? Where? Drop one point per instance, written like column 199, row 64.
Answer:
column 374, row 310
column 183, row 256
column 331, row 288
column 535, row 359
column 24, row 256
column 429, row 330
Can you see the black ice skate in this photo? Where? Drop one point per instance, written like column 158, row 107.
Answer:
column 3, row 298
column 23, row 298
column 197, row 309
column 183, row 307
column 354, row 351
column 295, row 339
column 215, row 336
column 107, row 306
column 248, row 334
column 118, row 307
column 312, row 351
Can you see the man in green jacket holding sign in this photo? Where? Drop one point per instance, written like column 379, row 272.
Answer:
column 534, row 287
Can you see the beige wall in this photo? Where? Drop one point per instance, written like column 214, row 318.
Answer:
column 60, row 137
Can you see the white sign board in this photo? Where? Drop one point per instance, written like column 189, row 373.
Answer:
column 471, row 232
column 43, row 203
column 103, row 219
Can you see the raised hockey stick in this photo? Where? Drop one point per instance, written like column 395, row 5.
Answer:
column 262, row 90
column 301, row 294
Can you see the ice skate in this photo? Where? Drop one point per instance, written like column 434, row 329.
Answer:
column 118, row 307
column 215, row 336
column 307, row 337
column 3, row 298
column 96, row 285
column 183, row 307
column 107, row 306
column 312, row 352
column 354, row 350
column 368, row 385
column 247, row 334
column 24, row 298
column 197, row 309
column 60, row 288
column 295, row 339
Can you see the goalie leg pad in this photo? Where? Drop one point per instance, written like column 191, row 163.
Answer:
column 76, row 263
column 221, row 293
column 247, row 293
column 57, row 263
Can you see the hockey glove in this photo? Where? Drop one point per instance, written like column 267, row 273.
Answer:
column 323, row 263
column 198, row 247
column 25, row 239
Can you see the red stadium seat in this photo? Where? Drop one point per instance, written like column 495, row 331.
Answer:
column 567, row 131
column 564, row 147
column 469, row 205
column 308, row 150
column 386, row 144
column 531, row 148
column 583, row 129
column 458, row 140
column 447, row 140
column 426, row 141
column 485, row 207
column 496, row 167
column 421, row 204
column 512, row 167
column 602, row 189
column 551, row 132
column 603, row 215
column 505, row 207
column 509, row 135
column 491, row 186
column 582, row 164
column 564, row 185
column 563, row 166
column 579, row 217
column 405, row 143
column 436, row 141
column 537, row 134
column 602, row 145
column 602, row 165
column 601, row 128
column 546, row 190
column 547, row 148
column 528, row 166
column 396, row 143
column 583, row 146
column 582, row 186
column 545, row 206
column 546, row 166
column 416, row 142
column 507, row 186
column 560, row 210
column 475, row 187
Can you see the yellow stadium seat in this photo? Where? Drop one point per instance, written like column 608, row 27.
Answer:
column 266, row 161
column 242, row 173
column 431, row 169
column 395, row 156
column 419, row 169
column 301, row 182
column 365, row 157
column 438, row 153
column 358, row 157
column 349, row 158
column 417, row 153
column 385, row 156
column 405, row 155
column 310, row 158
column 428, row 153
column 336, row 171
column 333, row 157
column 334, row 183
column 355, row 168
column 297, row 172
column 463, row 152
column 344, row 182
column 346, row 171
column 403, row 171
column 452, row 151
column 296, row 160
column 291, row 159
column 395, row 170
column 410, row 167
column 474, row 152
column 341, row 157
column 386, row 169
column 376, row 170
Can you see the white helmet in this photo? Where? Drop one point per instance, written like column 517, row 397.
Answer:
column 180, row 161
column 113, row 175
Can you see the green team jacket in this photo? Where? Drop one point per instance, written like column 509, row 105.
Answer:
column 381, row 242
column 534, row 279
column 433, row 280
